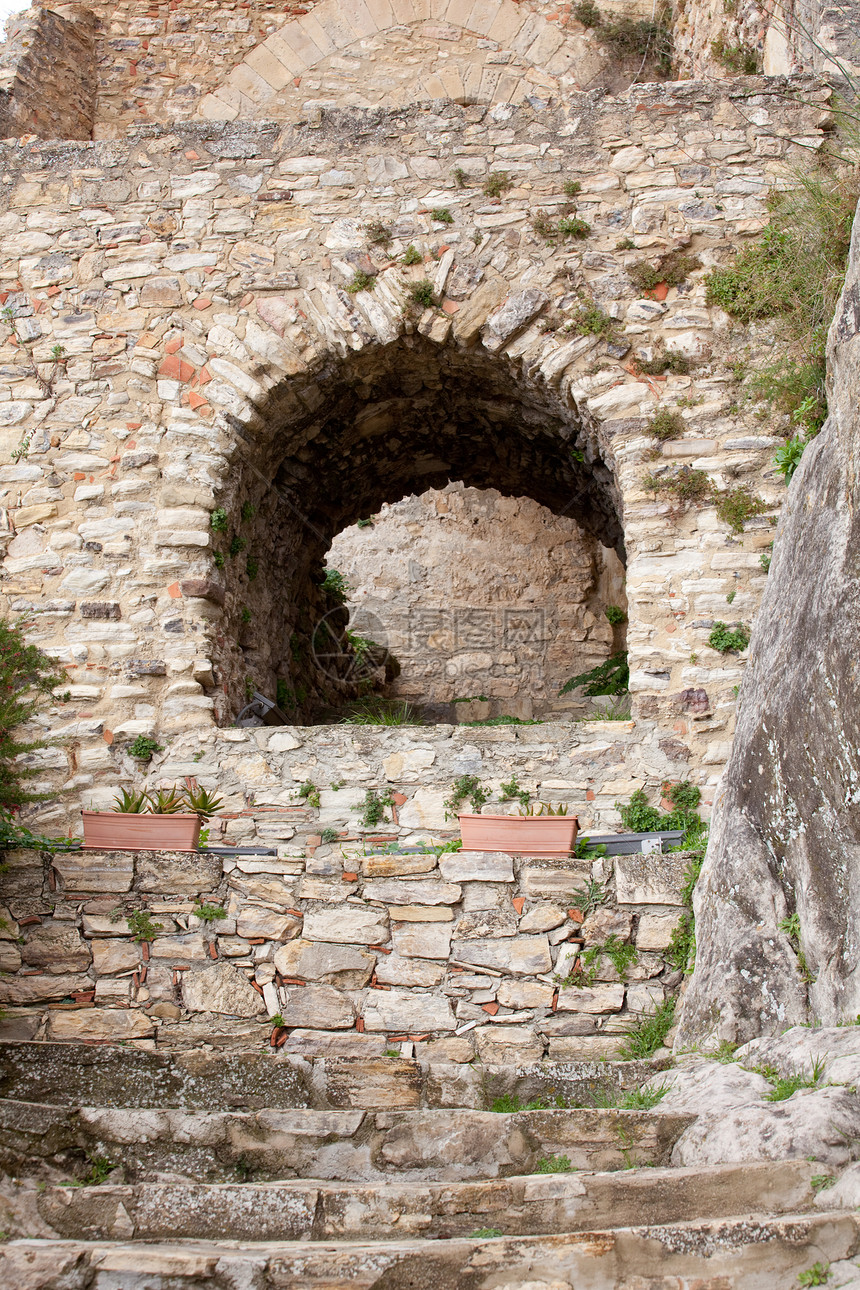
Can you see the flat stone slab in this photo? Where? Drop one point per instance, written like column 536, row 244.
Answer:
column 651, row 879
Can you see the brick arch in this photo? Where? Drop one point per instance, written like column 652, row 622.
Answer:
column 332, row 27
column 389, row 404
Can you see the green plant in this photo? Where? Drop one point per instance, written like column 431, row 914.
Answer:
column 665, row 425
column 28, row 678
column 485, row 1233
column 166, row 801
column 412, row 255
column 730, row 597
column 335, row 585
column 276, row 1020
column 817, row 1275
column 511, row 1104
column 505, row 720
column 219, row 520
column 202, row 802
column 571, row 188
column 740, row 59
column 374, row 807
column 611, row 677
column 441, row 215
column 643, row 1099
column 554, row 1165
column 787, row 458
column 218, row 559
column 765, row 559
column 366, row 523
column 573, row 226
column 645, row 1035
column 821, row 1182
column 237, row 546
column 142, row 927
column 496, row 183
column 791, row 927
column 376, row 711
column 625, row 244
column 245, row 614
column 378, row 234
column 252, row 568
column 144, row 748
column 665, row 360
column 423, row 293
column 590, row 320
column 100, row 1168
column 248, row 512
column 690, row 487
column 724, row 639
column 645, row 39
column 209, row 913
column 391, row 1052
column 361, row 282
column 512, row 790
column 461, row 179
column 203, row 839
column 673, row 269
column 620, row 954
column 329, row 835
column 310, row 793
column 465, row 786
column 131, row 801
column 737, row 505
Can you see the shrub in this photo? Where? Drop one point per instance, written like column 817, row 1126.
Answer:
column 673, row 269
column 144, row 748
column 335, row 585
column 361, row 282
column 441, row 215
column 219, row 520
column 665, row 425
column 378, row 234
column 374, row 807
column 497, row 183
column 615, row 614
column 726, row 640
column 422, row 293
column 665, row 360
column 647, row 1034
column 573, row 226
column 737, row 505
column 591, row 320
column 643, row 38
column 690, row 487
column 27, row 679
column 611, row 677
column 466, row 786
column 741, row 59
column 412, row 255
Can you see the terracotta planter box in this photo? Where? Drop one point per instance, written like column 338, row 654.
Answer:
column 530, row 835
column 118, row 831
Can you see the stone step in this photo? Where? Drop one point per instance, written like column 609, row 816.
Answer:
column 313, row 1211
column 52, row 1142
column 750, row 1253
column 83, row 1075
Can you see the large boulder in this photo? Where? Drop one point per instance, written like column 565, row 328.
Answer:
column 786, row 833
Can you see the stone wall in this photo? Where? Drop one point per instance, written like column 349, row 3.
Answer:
column 48, row 75
column 786, row 38
column 462, row 955
column 482, row 595
column 213, row 359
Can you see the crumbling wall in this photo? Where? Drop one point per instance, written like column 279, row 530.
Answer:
column 48, row 75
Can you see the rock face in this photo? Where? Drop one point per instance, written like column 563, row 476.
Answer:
column 786, row 833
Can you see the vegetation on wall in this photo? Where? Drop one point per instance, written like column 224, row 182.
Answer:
column 611, row 677
column 793, row 273
column 647, row 39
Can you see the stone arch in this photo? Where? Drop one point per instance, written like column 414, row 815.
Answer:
column 391, row 409
column 529, row 55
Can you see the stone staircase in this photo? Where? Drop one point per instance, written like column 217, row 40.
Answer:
column 129, row 1169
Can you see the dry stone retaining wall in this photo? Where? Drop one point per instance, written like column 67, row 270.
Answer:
column 467, row 953
column 196, row 280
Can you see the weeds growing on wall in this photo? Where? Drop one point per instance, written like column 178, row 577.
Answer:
column 740, row 59
column 647, row 39
column 793, row 273
column 611, row 677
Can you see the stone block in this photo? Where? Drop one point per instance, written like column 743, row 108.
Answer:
column 347, row 926
column 586, row 1048
column 179, row 949
column 172, row 872
column 422, row 940
column 255, row 920
column 420, row 914
column 477, row 866
column 56, row 947
column 99, row 1024
column 396, row 866
column 561, row 883
column 519, row 955
column 223, row 989
column 334, row 1043
column 400, row 1010
column 393, row 969
column 115, row 956
column 412, row 892
column 596, row 999
column 655, row 930
column 39, row 989
column 524, row 994
column 340, row 965
column 543, row 918
column 502, row 1045
column 99, row 871
column 317, row 1007
column 482, row 923
column 603, row 923
column 651, row 879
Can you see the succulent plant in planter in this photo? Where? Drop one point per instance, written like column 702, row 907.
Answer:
column 167, row 819
column 536, row 830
